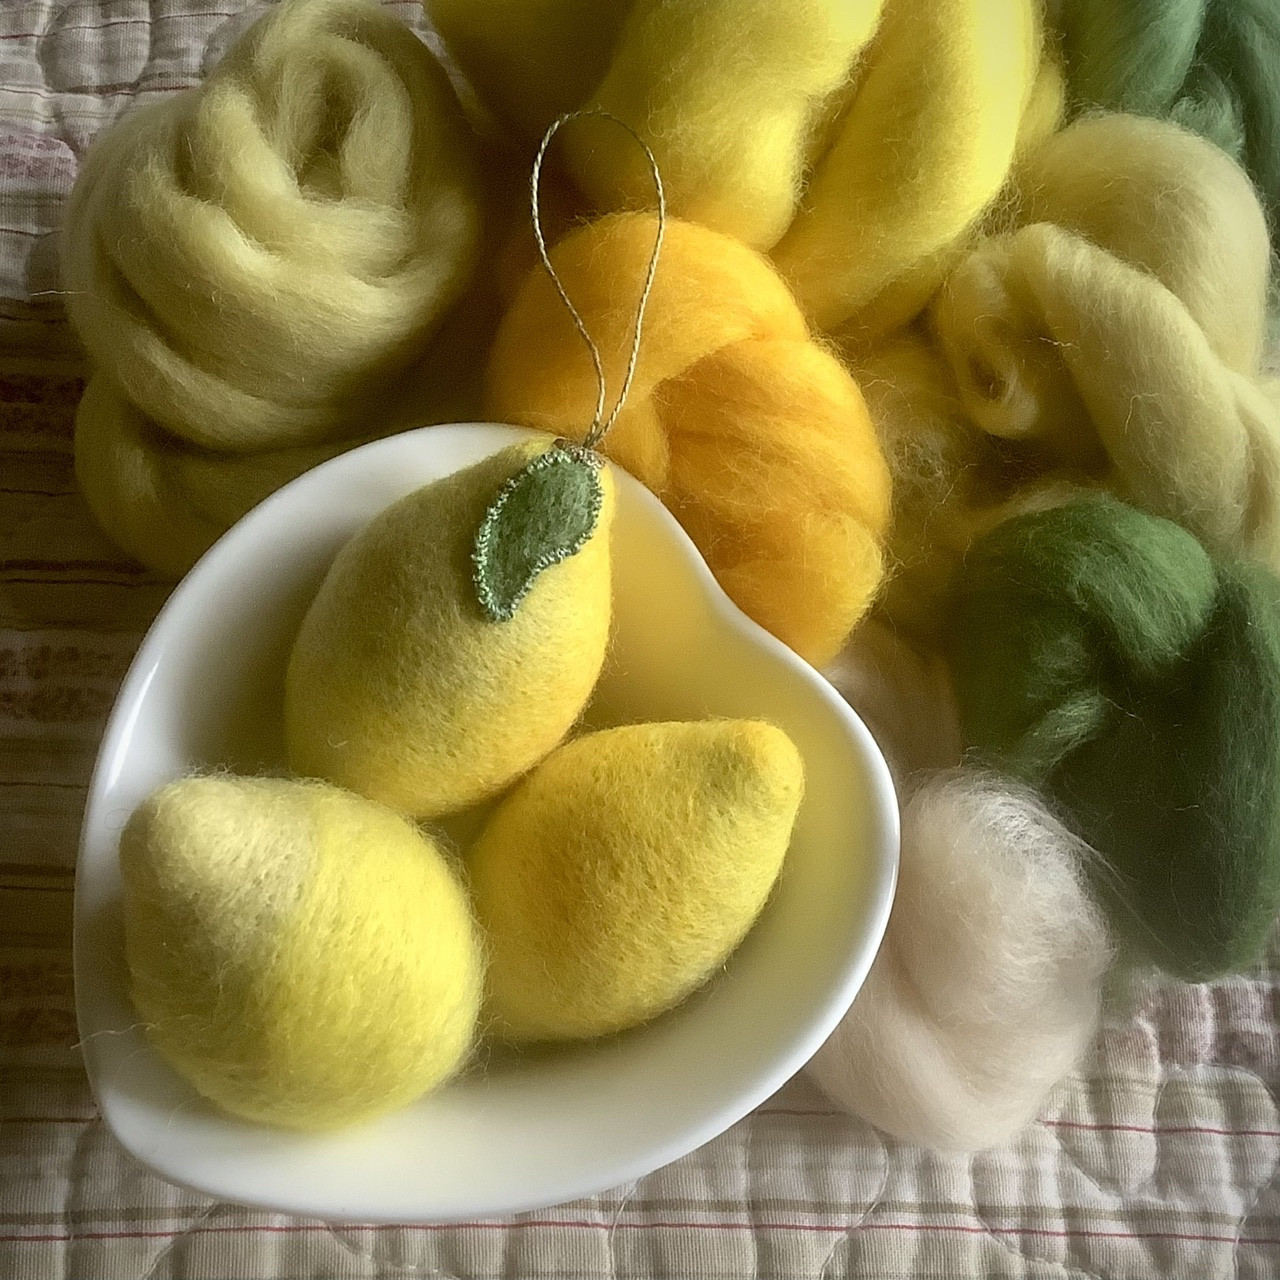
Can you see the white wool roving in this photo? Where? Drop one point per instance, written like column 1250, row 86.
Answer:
column 904, row 695
column 988, row 986
column 252, row 259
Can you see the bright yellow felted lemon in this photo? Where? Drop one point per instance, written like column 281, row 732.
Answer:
column 619, row 875
column 399, row 685
column 303, row 957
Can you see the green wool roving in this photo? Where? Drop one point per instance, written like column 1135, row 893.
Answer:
column 1211, row 65
column 1101, row 655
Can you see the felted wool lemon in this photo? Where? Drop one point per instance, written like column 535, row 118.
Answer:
column 401, row 686
column 302, row 956
column 617, row 877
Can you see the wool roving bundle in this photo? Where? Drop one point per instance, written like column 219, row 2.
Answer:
column 755, row 437
column 1100, row 653
column 1121, row 331
column 623, row 871
column 951, row 479
column 922, row 150
column 988, row 986
column 1211, row 65
column 163, row 501
column 903, row 694
column 252, row 259
column 727, row 95
column 400, row 686
column 303, row 957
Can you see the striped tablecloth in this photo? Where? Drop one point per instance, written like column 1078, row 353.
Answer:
column 1159, row 1160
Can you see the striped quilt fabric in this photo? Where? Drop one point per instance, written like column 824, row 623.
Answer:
column 1159, row 1159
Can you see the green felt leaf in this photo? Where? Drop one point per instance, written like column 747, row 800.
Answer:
column 544, row 514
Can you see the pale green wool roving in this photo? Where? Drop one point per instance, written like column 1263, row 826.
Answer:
column 303, row 957
column 253, row 259
column 1212, row 65
column 1101, row 654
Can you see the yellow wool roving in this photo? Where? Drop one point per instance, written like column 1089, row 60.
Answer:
column 303, row 957
column 727, row 95
column 253, row 259
column 163, row 501
column 924, row 147
column 988, row 986
column 621, row 873
column 1119, row 332
column 755, row 437
column 401, row 688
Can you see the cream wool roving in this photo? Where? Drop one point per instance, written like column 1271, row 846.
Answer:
column 303, row 957
column 753, row 435
column 622, row 872
column 921, row 152
column 1102, row 654
column 253, row 260
column 401, row 688
column 988, row 986
column 903, row 694
column 1121, row 331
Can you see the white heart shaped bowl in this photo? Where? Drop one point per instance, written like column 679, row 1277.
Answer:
column 526, row 1132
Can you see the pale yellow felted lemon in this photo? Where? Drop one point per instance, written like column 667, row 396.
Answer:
column 302, row 956
column 401, row 688
column 621, row 873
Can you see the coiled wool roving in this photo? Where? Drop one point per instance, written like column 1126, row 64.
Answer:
column 923, row 149
column 873, row 140
column 755, row 437
column 951, row 480
column 1102, row 654
column 988, row 986
column 252, row 259
column 1211, row 65
column 729, row 94
column 163, row 501
column 302, row 956
column 1121, row 331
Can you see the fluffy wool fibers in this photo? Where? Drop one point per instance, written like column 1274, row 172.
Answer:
column 620, row 875
column 988, row 985
column 904, row 695
column 1101, row 654
column 163, row 501
column 303, row 957
column 252, row 259
column 756, row 438
column 951, row 479
column 922, row 150
column 727, row 95
column 1120, row 332
column 400, row 687
column 1211, row 65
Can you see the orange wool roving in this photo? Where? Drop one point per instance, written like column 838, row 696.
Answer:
column 755, row 437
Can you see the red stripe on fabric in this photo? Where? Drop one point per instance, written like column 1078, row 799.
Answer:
column 1144, row 1128
column 303, row 1228
column 48, row 1119
column 114, row 22
column 97, row 93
